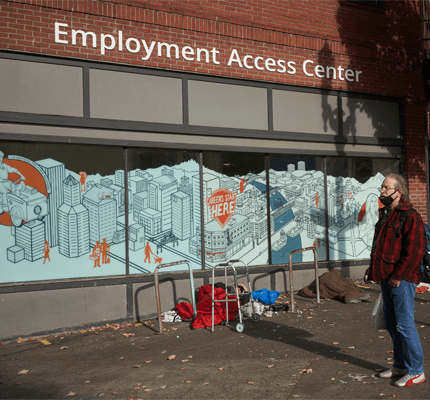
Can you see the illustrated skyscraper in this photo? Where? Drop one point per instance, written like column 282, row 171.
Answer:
column 55, row 171
column 181, row 215
column 160, row 191
column 103, row 214
column 119, row 177
column 73, row 222
column 31, row 237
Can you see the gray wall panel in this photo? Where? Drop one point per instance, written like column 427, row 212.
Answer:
column 31, row 312
column 305, row 112
column 258, row 281
column 40, row 88
column 227, row 106
column 135, row 97
column 365, row 117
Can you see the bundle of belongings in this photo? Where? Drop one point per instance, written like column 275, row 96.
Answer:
column 334, row 286
column 204, row 307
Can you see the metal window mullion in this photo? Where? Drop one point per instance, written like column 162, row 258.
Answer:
column 127, row 260
column 327, row 237
column 269, row 231
column 202, row 212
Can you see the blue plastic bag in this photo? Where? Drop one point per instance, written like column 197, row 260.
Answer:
column 265, row 296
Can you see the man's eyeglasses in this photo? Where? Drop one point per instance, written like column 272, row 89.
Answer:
column 386, row 188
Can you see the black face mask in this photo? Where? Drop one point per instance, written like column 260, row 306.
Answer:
column 387, row 200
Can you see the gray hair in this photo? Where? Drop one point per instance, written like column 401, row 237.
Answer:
column 400, row 185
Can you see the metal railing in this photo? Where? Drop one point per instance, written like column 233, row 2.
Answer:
column 157, row 290
column 317, row 283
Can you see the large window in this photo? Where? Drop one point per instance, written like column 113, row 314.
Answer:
column 164, row 213
column 61, row 207
column 353, row 203
column 297, row 205
column 235, row 208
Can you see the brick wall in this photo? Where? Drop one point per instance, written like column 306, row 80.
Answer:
column 382, row 43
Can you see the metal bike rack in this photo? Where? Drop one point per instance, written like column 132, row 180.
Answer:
column 157, row 290
column 317, row 283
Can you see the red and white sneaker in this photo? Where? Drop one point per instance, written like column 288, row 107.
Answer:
column 410, row 380
column 392, row 372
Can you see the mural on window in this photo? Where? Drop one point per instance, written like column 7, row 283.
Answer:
column 56, row 222
column 63, row 210
column 164, row 190
column 298, row 206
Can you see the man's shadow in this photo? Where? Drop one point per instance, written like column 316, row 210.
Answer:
column 302, row 339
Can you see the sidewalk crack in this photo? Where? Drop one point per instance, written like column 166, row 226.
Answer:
column 303, row 371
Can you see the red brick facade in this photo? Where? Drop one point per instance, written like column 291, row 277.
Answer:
column 382, row 43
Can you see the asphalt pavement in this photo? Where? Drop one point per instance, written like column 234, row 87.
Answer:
column 329, row 351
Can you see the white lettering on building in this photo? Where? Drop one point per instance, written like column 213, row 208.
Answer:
column 147, row 49
column 330, row 72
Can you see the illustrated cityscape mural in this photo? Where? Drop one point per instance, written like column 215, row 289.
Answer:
column 62, row 224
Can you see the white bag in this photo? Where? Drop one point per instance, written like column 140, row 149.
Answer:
column 378, row 313
column 247, row 309
column 170, row 316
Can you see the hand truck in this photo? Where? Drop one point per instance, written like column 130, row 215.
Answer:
column 240, row 327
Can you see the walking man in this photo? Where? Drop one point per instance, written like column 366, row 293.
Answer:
column 148, row 253
column 396, row 257
column 105, row 250
column 46, row 251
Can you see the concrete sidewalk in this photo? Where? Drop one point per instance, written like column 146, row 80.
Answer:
column 331, row 351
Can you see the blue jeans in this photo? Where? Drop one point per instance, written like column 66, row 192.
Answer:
column 400, row 323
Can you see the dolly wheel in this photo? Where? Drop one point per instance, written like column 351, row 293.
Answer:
column 255, row 317
column 240, row 327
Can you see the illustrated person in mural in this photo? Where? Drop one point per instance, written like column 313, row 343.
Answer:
column 148, row 253
column 395, row 262
column 96, row 254
column 371, row 217
column 46, row 251
column 82, row 179
column 105, row 250
column 317, row 200
column 242, row 185
column 5, row 184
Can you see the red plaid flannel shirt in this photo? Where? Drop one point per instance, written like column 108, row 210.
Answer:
column 395, row 251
